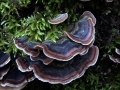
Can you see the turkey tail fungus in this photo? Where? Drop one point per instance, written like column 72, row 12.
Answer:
column 55, row 63
column 65, row 60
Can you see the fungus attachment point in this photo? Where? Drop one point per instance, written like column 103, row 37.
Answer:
column 59, row 19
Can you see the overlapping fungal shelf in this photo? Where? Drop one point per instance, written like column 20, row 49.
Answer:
column 65, row 60
column 56, row 63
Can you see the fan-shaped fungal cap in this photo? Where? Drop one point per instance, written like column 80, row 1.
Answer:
column 64, row 49
column 88, row 14
column 59, row 19
column 64, row 74
column 27, row 47
column 81, row 32
column 4, row 58
column 3, row 71
column 14, row 78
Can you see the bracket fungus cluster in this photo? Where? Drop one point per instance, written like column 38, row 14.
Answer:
column 115, row 58
column 65, row 60
column 56, row 63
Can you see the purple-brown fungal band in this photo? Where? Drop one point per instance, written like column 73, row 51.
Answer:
column 55, row 63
